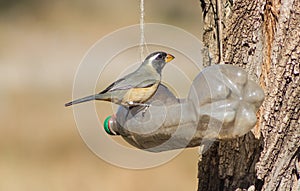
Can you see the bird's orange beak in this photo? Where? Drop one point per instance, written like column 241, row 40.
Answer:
column 169, row 57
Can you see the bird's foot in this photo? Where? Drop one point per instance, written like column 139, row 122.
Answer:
column 144, row 105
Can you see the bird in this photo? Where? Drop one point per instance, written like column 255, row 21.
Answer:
column 135, row 88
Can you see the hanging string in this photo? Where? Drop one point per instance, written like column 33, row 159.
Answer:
column 142, row 38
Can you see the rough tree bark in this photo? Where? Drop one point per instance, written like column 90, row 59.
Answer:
column 263, row 37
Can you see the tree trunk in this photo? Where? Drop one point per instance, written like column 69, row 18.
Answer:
column 263, row 37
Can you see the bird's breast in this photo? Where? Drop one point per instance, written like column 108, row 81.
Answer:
column 139, row 95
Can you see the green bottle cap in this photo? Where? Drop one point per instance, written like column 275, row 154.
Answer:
column 106, row 125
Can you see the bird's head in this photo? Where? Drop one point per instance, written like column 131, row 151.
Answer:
column 158, row 60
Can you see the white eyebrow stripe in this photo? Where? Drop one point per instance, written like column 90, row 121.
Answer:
column 154, row 57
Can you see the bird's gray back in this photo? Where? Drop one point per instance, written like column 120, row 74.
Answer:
column 142, row 77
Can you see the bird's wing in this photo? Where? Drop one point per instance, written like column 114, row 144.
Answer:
column 123, row 84
column 115, row 85
column 146, row 83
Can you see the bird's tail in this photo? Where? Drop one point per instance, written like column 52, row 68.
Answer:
column 81, row 100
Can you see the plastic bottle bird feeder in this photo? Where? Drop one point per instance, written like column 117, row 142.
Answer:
column 221, row 104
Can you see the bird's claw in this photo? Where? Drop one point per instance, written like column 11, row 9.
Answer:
column 146, row 107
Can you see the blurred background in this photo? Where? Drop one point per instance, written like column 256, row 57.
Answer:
column 42, row 44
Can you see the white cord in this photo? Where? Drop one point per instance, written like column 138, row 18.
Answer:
column 142, row 38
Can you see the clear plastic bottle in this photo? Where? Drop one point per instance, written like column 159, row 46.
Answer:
column 221, row 104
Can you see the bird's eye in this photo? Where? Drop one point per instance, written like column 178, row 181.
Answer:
column 159, row 57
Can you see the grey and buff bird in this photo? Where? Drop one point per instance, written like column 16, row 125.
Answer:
column 135, row 88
